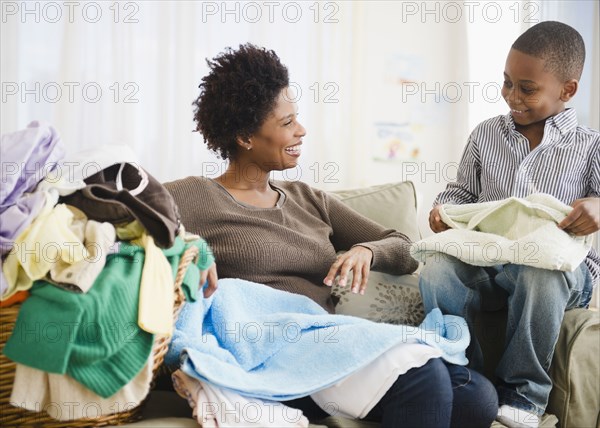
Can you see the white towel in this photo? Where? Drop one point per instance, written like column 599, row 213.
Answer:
column 64, row 399
column 513, row 230
column 355, row 396
column 219, row 407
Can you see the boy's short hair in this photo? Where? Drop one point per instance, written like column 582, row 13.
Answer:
column 559, row 45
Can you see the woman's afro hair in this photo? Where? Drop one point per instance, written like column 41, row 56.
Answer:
column 237, row 95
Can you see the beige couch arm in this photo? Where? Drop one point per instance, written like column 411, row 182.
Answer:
column 575, row 371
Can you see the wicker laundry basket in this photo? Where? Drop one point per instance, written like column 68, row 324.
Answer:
column 16, row 416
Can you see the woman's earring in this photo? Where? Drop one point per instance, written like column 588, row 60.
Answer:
column 248, row 148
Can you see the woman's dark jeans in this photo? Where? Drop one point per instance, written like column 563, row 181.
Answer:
column 436, row 395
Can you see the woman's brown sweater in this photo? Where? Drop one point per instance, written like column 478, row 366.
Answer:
column 290, row 247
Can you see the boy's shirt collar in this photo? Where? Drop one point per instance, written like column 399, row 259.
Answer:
column 565, row 121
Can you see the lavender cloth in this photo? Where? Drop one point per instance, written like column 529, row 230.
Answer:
column 14, row 219
column 27, row 157
column 3, row 281
column 66, row 179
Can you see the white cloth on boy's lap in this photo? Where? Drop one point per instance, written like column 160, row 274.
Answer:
column 521, row 231
column 498, row 163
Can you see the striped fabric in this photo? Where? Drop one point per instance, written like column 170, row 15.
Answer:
column 497, row 163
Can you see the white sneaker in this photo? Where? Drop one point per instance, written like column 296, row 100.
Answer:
column 517, row 418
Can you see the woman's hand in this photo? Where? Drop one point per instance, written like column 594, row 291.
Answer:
column 209, row 275
column 435, row 220
column 358, row 260
column 584, row 218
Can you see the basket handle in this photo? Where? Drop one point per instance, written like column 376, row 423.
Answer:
column 190, row 255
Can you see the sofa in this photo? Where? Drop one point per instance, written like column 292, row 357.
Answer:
column 575, row 369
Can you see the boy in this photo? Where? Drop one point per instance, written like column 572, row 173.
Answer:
column 537, row 147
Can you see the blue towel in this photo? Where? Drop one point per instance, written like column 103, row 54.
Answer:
column 276, row 345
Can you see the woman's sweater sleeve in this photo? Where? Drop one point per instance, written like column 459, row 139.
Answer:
column 390, row 248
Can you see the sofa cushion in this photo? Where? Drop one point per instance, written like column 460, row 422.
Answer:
column 393, row 205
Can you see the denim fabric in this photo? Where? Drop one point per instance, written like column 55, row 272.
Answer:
column 437, row 395
column 536, row 300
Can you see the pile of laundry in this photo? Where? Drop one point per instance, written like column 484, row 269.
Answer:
column 90, row 245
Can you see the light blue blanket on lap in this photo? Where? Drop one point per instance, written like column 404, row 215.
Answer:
column 276, row 345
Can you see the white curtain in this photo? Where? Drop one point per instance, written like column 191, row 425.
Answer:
column 133, row 81
column 387, row 90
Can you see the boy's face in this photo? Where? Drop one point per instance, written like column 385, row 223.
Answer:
column 532, row 94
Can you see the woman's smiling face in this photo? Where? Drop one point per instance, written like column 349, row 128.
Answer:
column 277, row 144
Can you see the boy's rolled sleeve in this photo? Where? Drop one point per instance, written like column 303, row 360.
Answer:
column 467, row 187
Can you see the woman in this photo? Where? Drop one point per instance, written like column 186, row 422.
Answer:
column 287, row 234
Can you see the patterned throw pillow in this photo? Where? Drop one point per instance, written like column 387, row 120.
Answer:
column 388, row 298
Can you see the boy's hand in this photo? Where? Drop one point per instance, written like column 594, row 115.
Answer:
column 584, row 219
column 435, row 220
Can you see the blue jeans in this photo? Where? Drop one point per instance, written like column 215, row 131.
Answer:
column 536, row 300
column 437, row 395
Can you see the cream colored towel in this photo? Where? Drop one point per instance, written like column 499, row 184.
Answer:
column 514, row 230
column 63, row 398
column 157, row 300
column 98, row 238
column 219, row 407
column 50, row 238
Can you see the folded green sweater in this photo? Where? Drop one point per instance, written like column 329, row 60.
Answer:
column 94, row 337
